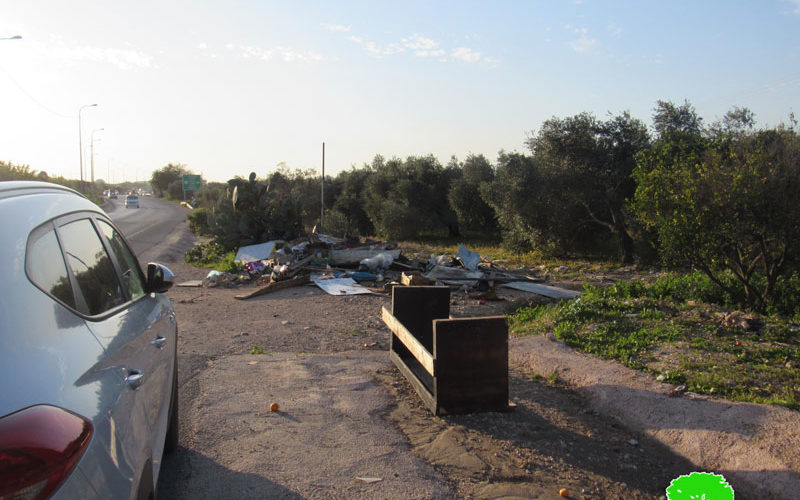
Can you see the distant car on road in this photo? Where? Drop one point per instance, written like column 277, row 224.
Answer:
column 131, row 201
column 88, row 359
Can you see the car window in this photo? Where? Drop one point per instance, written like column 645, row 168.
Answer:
column 46, row 268
column 132, row 280
column 91, row 266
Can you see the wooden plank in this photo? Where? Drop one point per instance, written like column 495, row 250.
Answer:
column 472, row 362
column 417, row 306
column 427, row 397
column 407, row 338
column 415, row 279
column 274, row 287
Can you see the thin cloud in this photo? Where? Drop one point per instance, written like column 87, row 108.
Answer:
column 282, row 53
column 381, row 51
column 417, row 42
column 420, row 46
column 124, row 59
column 423, row 47
column 584, row 43
column 616, row 31
column 466, row 54
column 336, row 28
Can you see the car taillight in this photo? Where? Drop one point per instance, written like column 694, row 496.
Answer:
column 39, row 447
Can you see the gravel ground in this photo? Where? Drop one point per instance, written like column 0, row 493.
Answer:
column 350, row 426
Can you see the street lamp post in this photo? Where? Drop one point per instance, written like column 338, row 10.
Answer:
column 80, row 138
column 92, row 150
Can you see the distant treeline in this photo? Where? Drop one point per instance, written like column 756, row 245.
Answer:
column 721, row 198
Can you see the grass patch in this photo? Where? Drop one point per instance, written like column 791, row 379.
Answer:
column 676, row 327
column 256, row 349
column 508, row 259
column 211, row 256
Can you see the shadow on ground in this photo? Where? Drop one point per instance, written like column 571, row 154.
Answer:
column 187, row 474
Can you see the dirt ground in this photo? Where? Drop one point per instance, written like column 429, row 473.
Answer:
column 350, row 426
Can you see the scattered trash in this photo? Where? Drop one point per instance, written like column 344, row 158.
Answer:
column 441, row 260
column 279, row 272
column 351, row 266
column 468, row 258
column 381, row 261
column 274, row 407
column 255, row 267
column 452, row 273
column 359, row 276
column 369, row 480
column 354, row 256
column 633, row 442
column 678, row 390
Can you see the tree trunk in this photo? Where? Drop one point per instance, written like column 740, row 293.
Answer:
column 626, row 247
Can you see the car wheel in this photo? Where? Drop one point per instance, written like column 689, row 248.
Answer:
column 171, row 440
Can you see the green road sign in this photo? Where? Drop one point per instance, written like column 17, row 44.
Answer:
column 192, row 182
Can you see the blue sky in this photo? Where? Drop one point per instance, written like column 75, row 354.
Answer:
column 238, row 86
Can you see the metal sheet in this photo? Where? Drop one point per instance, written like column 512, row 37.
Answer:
column 339, row 286
column 553, row 292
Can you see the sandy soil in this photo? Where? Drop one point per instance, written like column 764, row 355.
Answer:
column 350, row 426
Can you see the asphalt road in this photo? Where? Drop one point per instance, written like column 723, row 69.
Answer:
column 155, row 230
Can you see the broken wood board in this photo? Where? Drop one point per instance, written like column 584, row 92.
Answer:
column 353, row 256
column 274, row 287
column 553, row 292
column 414, row 346
column 415, row 279
column 191, row 283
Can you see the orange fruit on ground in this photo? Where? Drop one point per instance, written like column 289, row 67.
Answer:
column 274, row 407
column 563, row 492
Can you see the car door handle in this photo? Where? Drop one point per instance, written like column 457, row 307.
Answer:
column 159, row 341
column 134, row 379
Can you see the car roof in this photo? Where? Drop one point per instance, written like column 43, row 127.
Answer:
column 21, row 188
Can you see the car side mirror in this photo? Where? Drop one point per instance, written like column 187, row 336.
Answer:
column 159, row 278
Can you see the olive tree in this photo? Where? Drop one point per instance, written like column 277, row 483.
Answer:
column 724, row 201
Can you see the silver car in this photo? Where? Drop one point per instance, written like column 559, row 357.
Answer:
column 131, row 201
column 87, row 352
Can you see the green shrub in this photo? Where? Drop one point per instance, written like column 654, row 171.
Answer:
column 211, row 255
column 199, row 221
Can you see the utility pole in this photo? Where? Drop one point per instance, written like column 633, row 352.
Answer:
column 322, row 195
column 92, row 152
column 80, row 139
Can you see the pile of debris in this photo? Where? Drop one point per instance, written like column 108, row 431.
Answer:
column 350, row 266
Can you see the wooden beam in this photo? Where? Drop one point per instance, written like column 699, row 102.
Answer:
column 274, row 287
column 407, row 338
column 427, row 397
